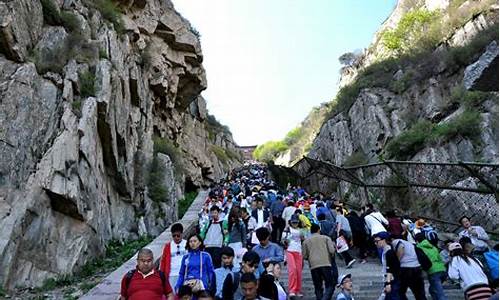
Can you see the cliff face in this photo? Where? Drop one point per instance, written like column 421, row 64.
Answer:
column 89, row 89
column 429, row 89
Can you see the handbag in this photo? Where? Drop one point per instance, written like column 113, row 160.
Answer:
column 195, row 284
column 342, row 245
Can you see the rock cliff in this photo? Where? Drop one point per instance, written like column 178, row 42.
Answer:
column 98, row 98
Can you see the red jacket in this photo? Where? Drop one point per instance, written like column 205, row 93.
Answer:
column 165, row 260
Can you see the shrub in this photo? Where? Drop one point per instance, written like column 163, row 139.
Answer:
column 410, row 141
column 411, row 29
column 70, row 22
column 425, row 133
column 50, row 12
column 185, row 203
column 165, row 146
column 220, row 153
column 103, row 54
column 357, row 158
column 293, row 136
column 468, row 99
column 269, row 150
column 464, row 55
column 87, row 84
column 110, row 12
column 157, row 190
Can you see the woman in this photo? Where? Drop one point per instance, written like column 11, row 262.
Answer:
column 292, row 240
column 281, row 290
column 196, row 270
column 469, row 271
column 237, row 237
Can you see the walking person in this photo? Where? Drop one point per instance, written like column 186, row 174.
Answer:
column 145, row 282
column 437, row 273
column 237, row 234
column 197, row 269
column 411, row 271
column 173, row 252
column 213, row 235
column 293, row 244
column 359, row 238
column 267, row 250
column 277, row 208
column 469, row 271
column 390, row 266
column 318, row 251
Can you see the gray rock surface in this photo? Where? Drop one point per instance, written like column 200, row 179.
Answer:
column 75, row 159
column 483, row 74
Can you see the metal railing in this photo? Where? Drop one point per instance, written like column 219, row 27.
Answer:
column 440, row 192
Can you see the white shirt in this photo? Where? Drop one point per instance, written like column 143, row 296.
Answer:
column 374, row 222
column 479, row 240
column 468, row 274
column 288, row 213
column 177, row 251
column 293, row 238
column 260, row 218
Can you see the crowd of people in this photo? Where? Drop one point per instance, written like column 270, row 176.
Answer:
column 249, row 229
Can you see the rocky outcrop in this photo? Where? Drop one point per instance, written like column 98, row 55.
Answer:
column 439, row 95
column 78, row 130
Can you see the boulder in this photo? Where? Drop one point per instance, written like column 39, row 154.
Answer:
column 482, row 75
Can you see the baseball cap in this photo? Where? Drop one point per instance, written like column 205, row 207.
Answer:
column 420, row 223
column 342, row 277
column 454, row 246
column 294, row 218
column 383, row 235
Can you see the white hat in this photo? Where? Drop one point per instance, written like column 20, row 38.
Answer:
column 342, row 277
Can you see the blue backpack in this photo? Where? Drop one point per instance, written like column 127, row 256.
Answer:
column 491, row 258
column 430, row 233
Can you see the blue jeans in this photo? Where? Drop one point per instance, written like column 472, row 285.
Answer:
column 436, row 287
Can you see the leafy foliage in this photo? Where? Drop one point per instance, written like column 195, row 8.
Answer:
column 412, row 29
column 87, row 84
column 185, row 203
column 425, row 133
column 50, row 12
column 269, row 150
column 165, row 146
column 358, row 158
column 220, row 153
column 468, row 99
column 110, row 12
column 117, row 253
column 157, row 190
column 293, row 136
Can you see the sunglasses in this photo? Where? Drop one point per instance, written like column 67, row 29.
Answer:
column 176, row 235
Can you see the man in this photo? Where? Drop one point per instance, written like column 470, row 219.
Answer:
column 390, row 266
column 173, row 252
column 226, row 276
column 249, row 286
column 374, row 220
column 477, row 234
column 260, row 214
column 213, row 235
column 250, row 264
column 318, row 250
column 250, row 225
column 411, row 271
column 345, row 283
column 145, row 282
column 277, row 208
column 268, row 251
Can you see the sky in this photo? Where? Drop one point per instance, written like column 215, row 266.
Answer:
column 269, row 62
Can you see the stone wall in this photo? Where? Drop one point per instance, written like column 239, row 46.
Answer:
column 80, row 110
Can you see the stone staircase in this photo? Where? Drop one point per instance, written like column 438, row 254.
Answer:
column 367, row 282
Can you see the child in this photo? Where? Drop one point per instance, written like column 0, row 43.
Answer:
column 345, row 283
column 225, row 273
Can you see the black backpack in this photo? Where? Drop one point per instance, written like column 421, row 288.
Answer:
column 423, row 259
column 130, row 274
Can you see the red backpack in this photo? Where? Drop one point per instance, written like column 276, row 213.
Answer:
column 395, row 227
